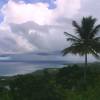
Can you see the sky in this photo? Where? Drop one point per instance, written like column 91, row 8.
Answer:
column 38, row 25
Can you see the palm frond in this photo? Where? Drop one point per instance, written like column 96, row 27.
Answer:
column 77, row 27
column 95, row 54
column 67, row 50
column 67, row 34
column 87, row 25
column 95, row 45
column 97, row 39
column 75, row 48
column 95, row 30
column 88, row 22
column 86, row 42
column 72, row 39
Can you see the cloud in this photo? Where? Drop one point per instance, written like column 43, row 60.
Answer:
column 39, row 12
column 45, row 37
column 35, row 27
column 6, row 42
column 89, row 8
column 21, row 12
column 67, row 8
column 13, row 43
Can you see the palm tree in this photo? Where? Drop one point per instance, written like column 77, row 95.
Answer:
column 85, row 41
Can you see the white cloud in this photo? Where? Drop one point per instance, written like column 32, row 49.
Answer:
column 19, row 13
column 33, row 26
column 45, row 37
column 89, row 8
column 39, row 12
column 67, row 8
column 13, row 43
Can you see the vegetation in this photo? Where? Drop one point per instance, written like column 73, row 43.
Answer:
column 86, row 40
column 53, row 84
column 65, row 83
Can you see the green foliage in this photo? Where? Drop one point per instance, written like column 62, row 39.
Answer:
column 4, row 94
column 54, row 84
column 86, row 40
column 36, row 88
column 70, row 76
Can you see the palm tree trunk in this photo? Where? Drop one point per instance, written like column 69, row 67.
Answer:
column 85, row 68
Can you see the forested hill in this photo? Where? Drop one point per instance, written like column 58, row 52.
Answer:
column 53, row 84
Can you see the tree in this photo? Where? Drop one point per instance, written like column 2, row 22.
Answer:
column 36, row 87
column 69, row 77
column 86, row 41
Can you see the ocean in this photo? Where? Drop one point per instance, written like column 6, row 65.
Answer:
column 23, row 67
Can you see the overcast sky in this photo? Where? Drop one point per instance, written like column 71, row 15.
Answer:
column 38, row 25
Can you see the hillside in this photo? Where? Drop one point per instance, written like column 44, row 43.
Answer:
column 53, row 84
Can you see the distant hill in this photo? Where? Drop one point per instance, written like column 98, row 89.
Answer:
column 32, row 56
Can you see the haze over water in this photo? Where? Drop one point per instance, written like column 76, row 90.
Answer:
column 14, row 68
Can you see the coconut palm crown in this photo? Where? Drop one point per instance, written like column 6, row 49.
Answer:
column 86, row 39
